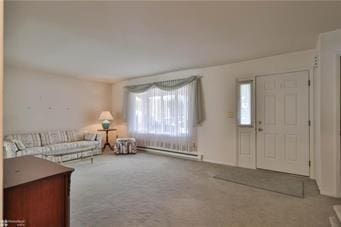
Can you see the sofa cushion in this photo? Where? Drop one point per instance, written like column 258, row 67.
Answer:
column 61, row 147
column 84, row 143
column 74, row 135
column 28, row 139
column 32, row 151
column 20, row 145
column 72, row 146
column 53, row 137
column 90, row 137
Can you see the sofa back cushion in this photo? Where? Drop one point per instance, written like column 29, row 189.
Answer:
column 53, row 137
column 90, row 137
column 74, row 135
column 28, row 139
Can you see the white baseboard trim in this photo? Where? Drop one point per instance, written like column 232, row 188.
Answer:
column 176, row 155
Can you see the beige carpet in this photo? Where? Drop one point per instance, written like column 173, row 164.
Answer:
column 152, row 190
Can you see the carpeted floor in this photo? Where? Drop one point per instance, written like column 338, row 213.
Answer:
column 153, row 190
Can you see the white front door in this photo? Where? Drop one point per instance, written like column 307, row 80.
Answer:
column 282, row 113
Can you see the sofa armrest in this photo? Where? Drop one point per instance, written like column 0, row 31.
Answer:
column 10, row 149
column 99, row 138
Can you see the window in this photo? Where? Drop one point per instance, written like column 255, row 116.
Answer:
column 161, row 112
column 245, row 103
column 159, row 118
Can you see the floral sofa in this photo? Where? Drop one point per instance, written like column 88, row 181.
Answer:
column 55, row 145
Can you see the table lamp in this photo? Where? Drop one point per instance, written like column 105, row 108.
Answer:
column 106, row 117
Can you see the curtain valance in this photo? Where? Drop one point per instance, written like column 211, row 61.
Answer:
column 170, row 85
column 163, row 85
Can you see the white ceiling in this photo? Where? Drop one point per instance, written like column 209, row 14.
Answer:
column 116, row 40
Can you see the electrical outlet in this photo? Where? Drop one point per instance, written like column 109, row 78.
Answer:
column 230, row 114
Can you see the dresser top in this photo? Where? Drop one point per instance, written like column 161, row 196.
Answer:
column 26, row 169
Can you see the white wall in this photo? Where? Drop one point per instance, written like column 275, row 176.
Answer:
column 35, row 101
column 328, row 114
column 217, row 137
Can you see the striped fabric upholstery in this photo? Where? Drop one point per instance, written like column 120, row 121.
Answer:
column 90, row 137
column 20, row 145
column 28, row 139
column 74, row 135
column 62, row 147
column 32, row 151
column 53, row 137
column 10, row 149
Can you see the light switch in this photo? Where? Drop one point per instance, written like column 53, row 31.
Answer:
column 230, row 114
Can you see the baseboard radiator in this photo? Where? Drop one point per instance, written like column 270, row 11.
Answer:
column 170, row 152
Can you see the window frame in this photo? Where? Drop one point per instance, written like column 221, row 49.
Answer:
column 252, row 105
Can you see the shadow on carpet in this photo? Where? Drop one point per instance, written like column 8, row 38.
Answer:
column 283, row 183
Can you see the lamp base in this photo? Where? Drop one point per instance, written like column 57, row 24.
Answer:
column 106, row 124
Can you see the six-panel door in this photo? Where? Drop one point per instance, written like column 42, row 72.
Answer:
column 283, row 122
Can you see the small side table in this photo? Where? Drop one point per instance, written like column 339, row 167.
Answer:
column 107, row 137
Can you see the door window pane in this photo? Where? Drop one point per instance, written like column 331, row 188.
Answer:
column 245, row 104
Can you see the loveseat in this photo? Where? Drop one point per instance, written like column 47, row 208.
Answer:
column 67, row 144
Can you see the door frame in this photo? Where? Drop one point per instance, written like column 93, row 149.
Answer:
column 311, row 145
column 338, row 116
column 246, row 160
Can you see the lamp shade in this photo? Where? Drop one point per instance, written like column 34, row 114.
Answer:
column 105, row 115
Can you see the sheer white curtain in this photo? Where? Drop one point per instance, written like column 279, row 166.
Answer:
column 163, row 119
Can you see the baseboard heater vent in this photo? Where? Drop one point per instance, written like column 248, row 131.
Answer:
column 169, row 152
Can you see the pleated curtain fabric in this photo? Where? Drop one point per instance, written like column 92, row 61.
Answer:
column 165, row 114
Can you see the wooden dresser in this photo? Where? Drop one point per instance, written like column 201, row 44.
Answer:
column 36, row 192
